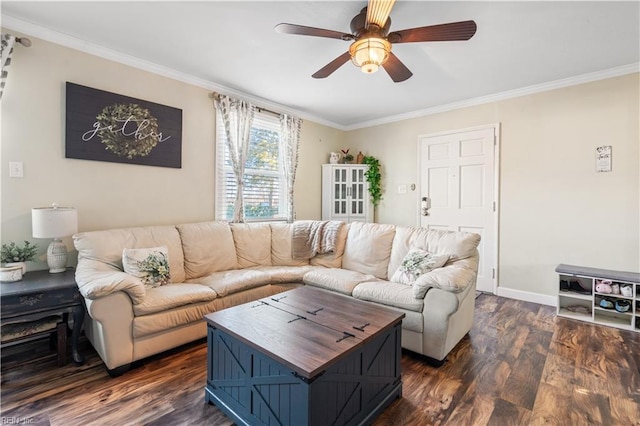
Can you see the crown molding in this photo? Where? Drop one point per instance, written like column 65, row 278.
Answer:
column 529, row 90
column 75, row 43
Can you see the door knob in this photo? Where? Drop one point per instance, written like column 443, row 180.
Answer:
column 424, row 206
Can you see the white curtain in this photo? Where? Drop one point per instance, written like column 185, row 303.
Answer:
column 237, row 116
column 290, row 145
column 6, row 49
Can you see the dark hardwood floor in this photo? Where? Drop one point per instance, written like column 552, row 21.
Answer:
column 520, row 365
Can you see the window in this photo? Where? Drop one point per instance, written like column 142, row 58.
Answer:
column 264, row 185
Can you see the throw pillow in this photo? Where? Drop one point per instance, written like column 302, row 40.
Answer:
column 151, row 265
column 417, row 262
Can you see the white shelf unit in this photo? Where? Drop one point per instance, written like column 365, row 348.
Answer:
column 581, row 301
column 345, row 193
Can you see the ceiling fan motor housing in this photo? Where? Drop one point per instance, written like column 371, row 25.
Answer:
column 371, row 48
column 359, row 23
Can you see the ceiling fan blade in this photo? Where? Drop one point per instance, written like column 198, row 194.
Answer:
column 396, row 69
column 463, row 30
column 378, row 12
column 311, row 31
column 328, row 69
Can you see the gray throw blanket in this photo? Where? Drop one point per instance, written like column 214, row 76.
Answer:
column 311, row 237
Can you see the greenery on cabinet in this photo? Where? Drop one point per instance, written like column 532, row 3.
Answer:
column 373, row 176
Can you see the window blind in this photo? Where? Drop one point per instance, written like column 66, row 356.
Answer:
column 264, row 197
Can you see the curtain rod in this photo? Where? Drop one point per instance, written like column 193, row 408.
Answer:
column 216, row 96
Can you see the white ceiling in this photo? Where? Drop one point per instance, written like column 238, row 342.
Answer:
column 232, row 47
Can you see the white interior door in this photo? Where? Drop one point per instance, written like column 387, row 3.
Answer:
column 458, row 175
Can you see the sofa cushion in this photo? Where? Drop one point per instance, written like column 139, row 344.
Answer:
column 228, row 282
column 458, row 245
column 171, row 296
column 454, row 277
column 285, row 274
column 169, row 319
column 150, row 265
column 388, row 293
column 368, row 248
column 208, row 247
column 417, row 262
column 106, row 246
column 401, row 245
column 252, row 243
column 281, row 246
column 340, row 280
column 333, row 260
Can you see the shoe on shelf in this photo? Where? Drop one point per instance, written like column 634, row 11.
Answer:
column 579, row 309
column 607, row 304
column 622, row 305
column 626, row 290
column 615, row 288
column 564, row 285
column 603, row 286
column 574, row 285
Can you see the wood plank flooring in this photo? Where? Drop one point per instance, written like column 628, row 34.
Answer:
column 520, row 365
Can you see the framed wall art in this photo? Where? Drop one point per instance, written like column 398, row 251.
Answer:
column 105, row 126
column 603, row 158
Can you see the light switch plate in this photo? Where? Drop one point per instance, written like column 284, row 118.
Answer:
column 16, row 169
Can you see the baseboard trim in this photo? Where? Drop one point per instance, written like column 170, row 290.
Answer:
column 527, row 296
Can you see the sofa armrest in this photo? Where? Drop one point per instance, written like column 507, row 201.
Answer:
column 455, row 277
column 447, row 317
column 95, row 280
column 110, row 328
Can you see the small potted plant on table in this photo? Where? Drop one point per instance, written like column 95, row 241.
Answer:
column 14, row 255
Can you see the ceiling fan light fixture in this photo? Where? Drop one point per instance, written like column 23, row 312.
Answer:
column 369, row 53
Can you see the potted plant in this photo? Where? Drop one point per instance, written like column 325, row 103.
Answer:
column 14, row 255
column 374, row 177
column 346, row 157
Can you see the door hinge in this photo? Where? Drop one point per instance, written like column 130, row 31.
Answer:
column 494, row 206
column 493, row 273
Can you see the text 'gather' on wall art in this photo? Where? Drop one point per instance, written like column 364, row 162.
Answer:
column 105, row 126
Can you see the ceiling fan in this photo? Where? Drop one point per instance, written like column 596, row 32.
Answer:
column 371, row 47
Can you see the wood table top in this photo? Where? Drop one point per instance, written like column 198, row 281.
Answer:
column 306, row 329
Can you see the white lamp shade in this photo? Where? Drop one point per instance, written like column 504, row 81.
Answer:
column 54, row 222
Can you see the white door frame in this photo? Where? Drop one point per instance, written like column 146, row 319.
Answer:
column 496, row 186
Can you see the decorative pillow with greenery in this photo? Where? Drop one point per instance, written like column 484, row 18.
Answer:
column 14, row 253
column 151, row 265
column 417, row 262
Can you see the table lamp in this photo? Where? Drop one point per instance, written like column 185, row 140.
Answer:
column 55, row 222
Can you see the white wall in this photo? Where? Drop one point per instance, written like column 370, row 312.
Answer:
column 554, row 207
column 111, row 195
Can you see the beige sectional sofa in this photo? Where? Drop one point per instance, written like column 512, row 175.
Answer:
column 215, row 265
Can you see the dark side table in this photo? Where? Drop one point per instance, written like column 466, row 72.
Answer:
column 40, row 294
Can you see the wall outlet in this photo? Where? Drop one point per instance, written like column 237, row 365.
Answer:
column 16, row 169
column 402, row 189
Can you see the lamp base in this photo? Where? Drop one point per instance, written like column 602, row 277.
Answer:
column 57, row 256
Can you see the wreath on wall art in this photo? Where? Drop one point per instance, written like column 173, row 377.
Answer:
column 128, row 130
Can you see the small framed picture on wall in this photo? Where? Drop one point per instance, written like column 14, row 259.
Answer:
column 603, row 158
